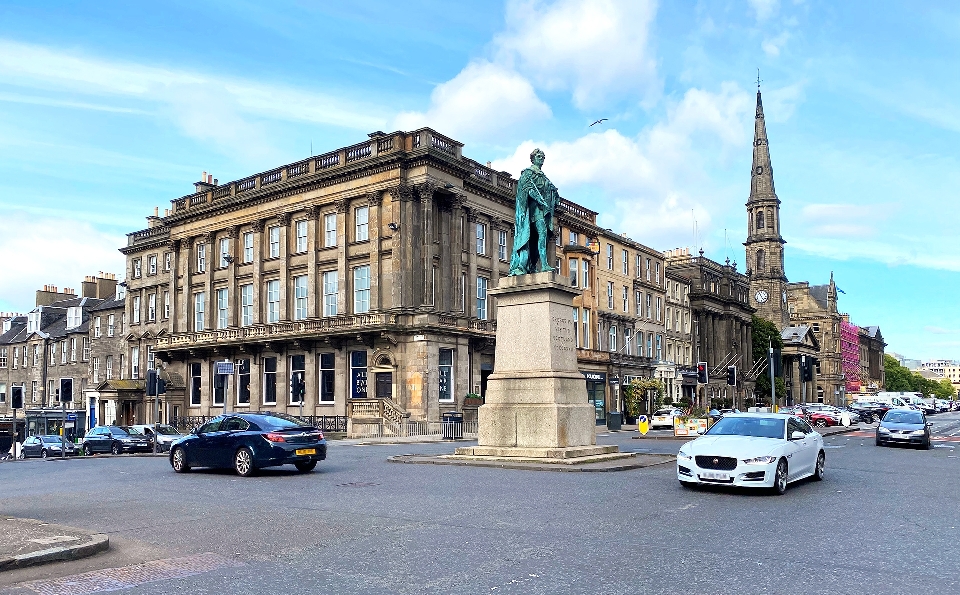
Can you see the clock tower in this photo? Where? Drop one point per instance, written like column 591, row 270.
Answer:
column 764, row 245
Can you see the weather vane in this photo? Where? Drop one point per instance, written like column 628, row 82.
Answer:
column 758, row 78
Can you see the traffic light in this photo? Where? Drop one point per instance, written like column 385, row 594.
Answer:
column 151, row 383
column 702, row 373
column 297, row 387
column 777, row 363
column 66, row 390
column 806, row 368
column 161, row 386
column 732, row 375
column 16, row 397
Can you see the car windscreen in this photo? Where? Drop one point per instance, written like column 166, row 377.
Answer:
column 903, row 417
column 168, row 430
column 759, row 427
column 664, row 412
column 117, row 431
column 53, row 439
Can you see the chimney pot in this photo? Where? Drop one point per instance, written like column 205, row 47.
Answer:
column 203, row 177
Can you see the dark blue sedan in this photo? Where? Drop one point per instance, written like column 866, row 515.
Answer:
column 250, row 441
column 904, row 426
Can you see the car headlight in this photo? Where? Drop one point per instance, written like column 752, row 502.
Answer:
column 760, row 460
column 682, row 456
column 883, row 430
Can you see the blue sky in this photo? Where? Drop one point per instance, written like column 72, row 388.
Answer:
column 109, row 109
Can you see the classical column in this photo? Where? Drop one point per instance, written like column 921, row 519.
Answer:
column 426, row 190
column 457, row 231
column 374, row 201
column 447, row 279
column 401, row 195
column 175, row 325
column 233, row 292
column 342, row 205
column 210, row 311
column 314, row 291
column 283, row 220
column 258, row 290
column 471, row 248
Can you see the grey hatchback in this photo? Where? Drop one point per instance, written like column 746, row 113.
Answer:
column 114, row 439
column 904, row 426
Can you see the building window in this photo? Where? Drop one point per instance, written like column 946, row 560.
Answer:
column 201, row 258
column 360, row 218
column 639, row 297
column 137, row 268
column 446, row 375
column 659, row 311
column 639, row 261
column 502, row 244
column 298, row 373
column 134, row 362
column 3, row 357
column 626, row 262
column 195, row 384
column 586, row 329
column 166, row 304
column 198, row 304
column 613, row 338
column 248, row 247
column 358, row 374
column 301, row 229
column 761, row 260
column 246, row 305
column 658, row 273
column 36, row 354
column 86, row 349
column 110, row 325
column 639, row 339
column 649, row 344
column 273, row 234
column 136, row 309
column 327, row 377
column 627, row 343
column 224, row 253
column 243, row 382
column 648, row 269
column 585, row 270
column 108, row 371
column 73, row 349
column 151, row 358
column 361, row 289
column 35, row 392
column 481, row 238
column 53, row 353
column 300, row 297
column 482, row 298
column 574, row 272
column 167, row 260
column 649, row 305
column 273, row 301
column 816, row 327
column 152, row 307
column 626, row 299
column 3, row 392
column 16, row 357
column 759, row 219
column 610, row 257
column 669, row 318
column 610, row 295
column 659, row 347
column 96, row 327
column 270, row 380
column 63, row 352
column 152, row 264
column 329, row 230
column 576, row 327
column 74, row 317
column 330, row 289
column 223, row 305
column 574, row 238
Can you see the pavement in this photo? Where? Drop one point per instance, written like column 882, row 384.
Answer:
column 29, row 542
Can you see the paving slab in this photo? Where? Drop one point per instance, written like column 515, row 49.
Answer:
column 28, row 542
column 636, row 461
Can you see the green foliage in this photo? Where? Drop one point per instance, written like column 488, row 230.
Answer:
column 765, row 333
column 899, row 378
column 635, row 395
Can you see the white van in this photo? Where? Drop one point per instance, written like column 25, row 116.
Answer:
column 893, row 399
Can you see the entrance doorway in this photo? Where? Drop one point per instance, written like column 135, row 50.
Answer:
column 384, row 385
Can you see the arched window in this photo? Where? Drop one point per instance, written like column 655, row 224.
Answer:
column 759, row 219
column 761, row 260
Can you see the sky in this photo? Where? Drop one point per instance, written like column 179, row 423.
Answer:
column 109, row 109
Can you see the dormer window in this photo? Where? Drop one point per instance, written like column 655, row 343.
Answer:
column 7, row 325
column 33, row 322
column 74, row 317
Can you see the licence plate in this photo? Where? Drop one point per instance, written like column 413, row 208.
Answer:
column 306, row 451
column 713, row 475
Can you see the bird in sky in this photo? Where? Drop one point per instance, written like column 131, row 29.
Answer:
column 598, row 121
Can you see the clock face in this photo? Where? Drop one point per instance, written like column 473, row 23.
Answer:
column 761, row 296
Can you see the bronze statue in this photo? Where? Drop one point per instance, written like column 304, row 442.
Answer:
column 537, row 200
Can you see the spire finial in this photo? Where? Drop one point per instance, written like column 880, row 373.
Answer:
column 758, row 79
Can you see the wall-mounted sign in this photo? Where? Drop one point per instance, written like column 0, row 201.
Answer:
column 594, row 376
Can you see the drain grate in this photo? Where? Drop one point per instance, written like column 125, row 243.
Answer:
column 357, row 484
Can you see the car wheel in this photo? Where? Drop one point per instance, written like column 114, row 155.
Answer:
column 818, row 470
column 780, row 478
column 879, row 442
column 927, row 445
column 243, row 462
column 179, row 461
column 821, row 423
column 305, row 466
column 43, row 454
column 117, row 448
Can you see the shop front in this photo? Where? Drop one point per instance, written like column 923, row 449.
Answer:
column 597, row 393
column 51, row 420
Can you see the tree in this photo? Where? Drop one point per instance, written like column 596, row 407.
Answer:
column 765, row 335
column 898, row 378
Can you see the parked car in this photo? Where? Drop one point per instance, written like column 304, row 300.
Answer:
column 46, row 446
column 663, row 418
column 904, row 426
column 166, row 435
column 765, row 450
column 250, row 441
column 868, row 413
column 822, row 419
column 114, row 439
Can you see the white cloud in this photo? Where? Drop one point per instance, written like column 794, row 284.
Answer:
column 654, row 180
column 772, row 45
column 204, row 106
column 37, row 250
column 844, row 220
column 764, row 9
column 484, row 101
column 598, row 49
column 891, row 249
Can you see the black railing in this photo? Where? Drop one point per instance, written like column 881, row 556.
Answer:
column 327, row 423
column 186, row 423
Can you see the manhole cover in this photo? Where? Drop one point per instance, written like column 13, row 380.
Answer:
column 357, row 484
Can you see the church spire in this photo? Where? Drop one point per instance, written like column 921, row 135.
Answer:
column 761, row 180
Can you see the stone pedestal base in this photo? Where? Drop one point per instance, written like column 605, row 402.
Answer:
column 571, row 452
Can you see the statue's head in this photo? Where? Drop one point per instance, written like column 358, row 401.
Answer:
column 537, row 157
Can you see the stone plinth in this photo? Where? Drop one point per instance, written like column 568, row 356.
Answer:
column 536, row 401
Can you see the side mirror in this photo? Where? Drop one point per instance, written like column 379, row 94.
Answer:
column 929, row 424
column 797, row 435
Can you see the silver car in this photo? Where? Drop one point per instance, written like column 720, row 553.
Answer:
column 165, row 435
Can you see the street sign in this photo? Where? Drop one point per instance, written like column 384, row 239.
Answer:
column 643, row 425
column 225, row 368
column 71, row 417
column 68, row 424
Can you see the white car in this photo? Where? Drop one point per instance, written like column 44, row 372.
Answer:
column 663, row 418
column 167, row 435
column 763, row 450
